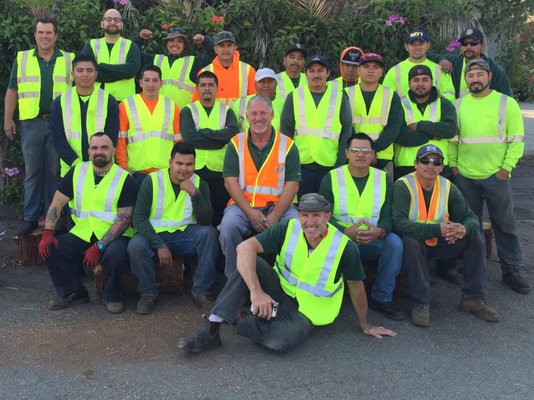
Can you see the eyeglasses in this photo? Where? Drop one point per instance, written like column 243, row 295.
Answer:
column 438, row 162
column 465, row 44
column 110, row 19
column 364, row 150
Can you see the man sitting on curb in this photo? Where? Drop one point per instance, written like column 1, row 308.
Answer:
column 303, row 288
column 434, row 221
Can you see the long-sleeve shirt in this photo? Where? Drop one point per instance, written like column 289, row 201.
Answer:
column 202, row 209
column 459, row 212
column 287, row 127
column 57, row 128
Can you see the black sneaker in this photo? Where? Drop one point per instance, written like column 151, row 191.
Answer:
column 26, row 228
column 516, row 281
column 206, row 338
column 76, row 298
column 387, row 309
column 146, row 304
column 451, row 275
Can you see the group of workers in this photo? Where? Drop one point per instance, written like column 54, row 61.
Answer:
column 212, row 155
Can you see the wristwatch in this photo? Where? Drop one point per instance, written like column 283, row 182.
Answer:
column 100, row 246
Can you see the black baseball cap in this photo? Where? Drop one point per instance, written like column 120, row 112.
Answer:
column 296, row 47
column 372, row 57
column 317, row 59
column 417, row 70
column 472, row 33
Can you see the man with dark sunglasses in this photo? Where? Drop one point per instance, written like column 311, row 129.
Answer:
column 435, row 222
column 471, row 48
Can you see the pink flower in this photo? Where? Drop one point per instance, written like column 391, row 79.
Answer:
column 165, row 27
column 453, row 45
column 401, row 20
column 9, row 171
column 389, row 23
column 393, row 18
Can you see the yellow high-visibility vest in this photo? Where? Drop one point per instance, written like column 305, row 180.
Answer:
column 177, row 85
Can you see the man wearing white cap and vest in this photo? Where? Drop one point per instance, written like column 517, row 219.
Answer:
column 265, row 84
column 490, row 143
column 471, row 48
column 361, row 208
column 430, row 118
column 376, row 109
column 101, row 197
column 172, row 217
column 208, row 125
column 416, row 45
column 118, row 59
column 149, row 127
column 292, row 76
column 179, row 69
column 318, row 118
column 80, row 112
column 301, row 290
column 262, row 175
column 435, row 222
column 348, row 67
column 236, row 78
column 38, row 76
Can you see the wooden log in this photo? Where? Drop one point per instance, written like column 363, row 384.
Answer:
column 170, row 278
column 28, row 248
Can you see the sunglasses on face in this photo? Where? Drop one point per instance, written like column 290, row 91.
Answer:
column 436, row 161
column 364, row 150
column 474, row 43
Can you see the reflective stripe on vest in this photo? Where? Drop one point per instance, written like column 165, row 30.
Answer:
column 29, row 81
column 242, row 81
column 349, row 205
column 310, row 278
column 178, row 90
column 168, row 212
column 400, row 77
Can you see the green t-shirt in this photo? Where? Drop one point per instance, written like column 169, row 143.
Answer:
column 350, row 265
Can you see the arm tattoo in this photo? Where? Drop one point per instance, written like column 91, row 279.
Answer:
column 124, row 218
column 52, row 217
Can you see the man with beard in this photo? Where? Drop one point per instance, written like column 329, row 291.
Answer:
column 304, row 290
column 292, row 76
column 434, row 221
column 262, row 175
column 471, row 48
column 490, row 143
column 38, row 76
column 265, row 84
column 430, row 118
column 80, row 112
column 348, row 67
column 101, row 196
column 208, row 125
column 179, row 69
column 417, row 45
column 118, row 58
column 318, row 118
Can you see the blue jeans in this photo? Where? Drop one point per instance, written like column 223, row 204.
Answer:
column 498, row 197
column 234, row 227
column 41, row 164
column 388, row 252
column 195, row 239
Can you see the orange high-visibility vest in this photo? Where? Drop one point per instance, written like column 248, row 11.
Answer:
column 266, row 185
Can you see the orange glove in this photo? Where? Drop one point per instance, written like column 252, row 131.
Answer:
column 47, row 239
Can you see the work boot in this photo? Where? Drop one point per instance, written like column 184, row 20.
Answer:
column 26, row 228
column 146, row 304
column 421, row 315
column 75, row 298
column 114, row 307
column 481, row 309
column 387, row 309
column 451, row 275
column 206, row 338
column 205, row 303
column 516, row 281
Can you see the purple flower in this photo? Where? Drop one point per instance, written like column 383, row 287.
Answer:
column 392, row 18
column 389, row 23
column 453, row 45
column 9, row 171
column 401, row 20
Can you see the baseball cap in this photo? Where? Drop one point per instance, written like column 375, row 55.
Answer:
column 317, row 59
column 372, row 57
column 174, row 33
column 296, row 47
column 224, row 36
column 352, row 57
column 428, row 149
column 472, row 33
column 417, row 34
column 263, row 73
column 313, row 202
column 417, row 70
column 477, row 64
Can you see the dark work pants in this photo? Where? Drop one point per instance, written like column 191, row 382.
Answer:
column 416, row 252
column 282, row 333
column 311, row 181
column 65, row 266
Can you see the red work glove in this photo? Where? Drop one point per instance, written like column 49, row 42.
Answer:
column 47, row 239
column 92, row 256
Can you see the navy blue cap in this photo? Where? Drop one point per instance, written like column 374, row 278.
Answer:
column 417, row 34
column 317, row 59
